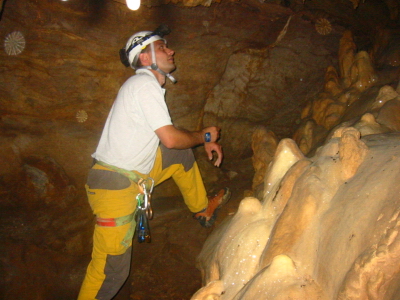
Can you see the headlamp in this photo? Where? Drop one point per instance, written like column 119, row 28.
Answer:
column 160, row 31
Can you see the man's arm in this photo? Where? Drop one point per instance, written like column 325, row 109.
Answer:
column 174, row 138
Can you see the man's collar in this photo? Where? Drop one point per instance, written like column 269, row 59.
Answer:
column 148, row 72
column 142, row 70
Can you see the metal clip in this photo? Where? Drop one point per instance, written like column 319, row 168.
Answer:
column 146, row 194
column 145, row 211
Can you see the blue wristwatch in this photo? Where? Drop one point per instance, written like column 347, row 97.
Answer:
column 207, row 137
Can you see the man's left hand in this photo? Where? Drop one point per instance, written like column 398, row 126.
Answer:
column 214, row 147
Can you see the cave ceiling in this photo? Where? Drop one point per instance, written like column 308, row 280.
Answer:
column 359, row 15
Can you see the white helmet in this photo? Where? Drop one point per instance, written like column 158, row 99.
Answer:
column 137, row 42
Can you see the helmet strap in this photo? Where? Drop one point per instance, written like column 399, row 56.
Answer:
column 156, row 68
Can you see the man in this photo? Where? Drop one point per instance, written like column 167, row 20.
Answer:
column 140, row 142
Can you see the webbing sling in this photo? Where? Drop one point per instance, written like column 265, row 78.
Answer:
column 114, row 222
column 130, row 174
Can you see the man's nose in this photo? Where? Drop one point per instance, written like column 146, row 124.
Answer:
column 170, row 51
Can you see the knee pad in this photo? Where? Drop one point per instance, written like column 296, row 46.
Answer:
column 171, row 157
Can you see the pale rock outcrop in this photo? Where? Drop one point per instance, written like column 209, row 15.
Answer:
column 245, row 234
column 320, row 108
column 388, row 100
column 332, row 82
column 368, row 125
column 352, row 151
column 287, row 154
column 372, row 275
column 330, row 105
column 304, row 136
column 218, row 258
column 362, row 74
column 282, row 269
column 258, row 85
column 347, row 50
column 341, row 94
column 264, row 143
column 389, row 115
column 327, row 227
column 308, row 135
column 332, row 165
column 385, row 94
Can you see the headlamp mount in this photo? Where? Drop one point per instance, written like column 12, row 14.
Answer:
column 161, row 31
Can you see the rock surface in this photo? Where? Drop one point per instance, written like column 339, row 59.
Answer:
column 326, row 226
column 244, row 65
column 330, row 231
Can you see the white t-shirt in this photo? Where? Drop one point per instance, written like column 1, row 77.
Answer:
column 128, row 140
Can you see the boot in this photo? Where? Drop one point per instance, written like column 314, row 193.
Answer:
column 207, row 216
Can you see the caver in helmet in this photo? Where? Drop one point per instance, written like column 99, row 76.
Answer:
column 130, row 54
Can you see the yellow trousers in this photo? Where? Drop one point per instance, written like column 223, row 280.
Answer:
column 112, row 195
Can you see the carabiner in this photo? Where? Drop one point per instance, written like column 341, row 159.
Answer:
column 146, row 194
column 149, row 210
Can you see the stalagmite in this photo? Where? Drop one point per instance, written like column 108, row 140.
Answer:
column 347, row 51
column 362, row 74
column 264, row 143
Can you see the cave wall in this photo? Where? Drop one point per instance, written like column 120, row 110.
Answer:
column 323, row 226
column 54, row 98
column 70, row 64
column 237, row 66
column 268, row 86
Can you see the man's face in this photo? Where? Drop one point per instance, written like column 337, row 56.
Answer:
column 164, row 56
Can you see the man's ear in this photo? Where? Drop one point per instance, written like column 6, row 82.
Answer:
column 145, row 59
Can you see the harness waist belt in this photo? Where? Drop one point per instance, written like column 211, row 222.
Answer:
column 130, row 174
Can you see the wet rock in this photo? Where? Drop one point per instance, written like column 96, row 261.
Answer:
column 332, row 200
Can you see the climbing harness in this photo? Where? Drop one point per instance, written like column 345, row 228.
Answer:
column 130, row 174
column 143, row 211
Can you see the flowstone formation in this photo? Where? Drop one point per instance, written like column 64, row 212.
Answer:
column 327, row 224
column 327, row 227
column 347, row 95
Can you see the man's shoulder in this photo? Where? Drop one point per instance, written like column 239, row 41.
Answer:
column 141, row 78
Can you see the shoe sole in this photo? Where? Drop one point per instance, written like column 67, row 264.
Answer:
column 225, row 198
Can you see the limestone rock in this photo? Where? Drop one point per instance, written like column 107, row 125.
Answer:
column 329, row 108
column 389, row 115
column 362, row 73
column 256, row 88
column 386, row 93
column 332, row 82
column 347, row 51
column 336, row 233
column 264, row 143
